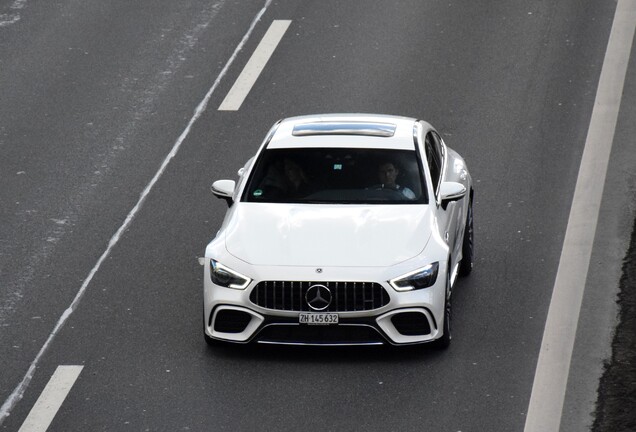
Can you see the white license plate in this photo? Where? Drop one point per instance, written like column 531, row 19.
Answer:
column 318, row 318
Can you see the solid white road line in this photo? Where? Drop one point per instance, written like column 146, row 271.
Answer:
column 550, row 382
column 51, row 399
column 254, row 66
column 18, row 392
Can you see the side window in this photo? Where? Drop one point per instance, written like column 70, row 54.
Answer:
column 433, row 158
column 241, row 179
column 438, row 147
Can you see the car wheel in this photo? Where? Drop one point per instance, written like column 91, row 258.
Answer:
column 466, row 264
column 445, row 340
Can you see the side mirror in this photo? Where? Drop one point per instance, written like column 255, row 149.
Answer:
column 451, row 191
column 224, row 189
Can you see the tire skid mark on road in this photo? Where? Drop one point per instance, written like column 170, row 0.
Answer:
column 18, row 392
column 146, row 101
column 6, row 19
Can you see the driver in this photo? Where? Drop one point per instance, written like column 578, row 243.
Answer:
column 387, row 174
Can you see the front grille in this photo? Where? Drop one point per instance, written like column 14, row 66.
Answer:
column 345, row 296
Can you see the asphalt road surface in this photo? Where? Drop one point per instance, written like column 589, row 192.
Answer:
column 94, row 96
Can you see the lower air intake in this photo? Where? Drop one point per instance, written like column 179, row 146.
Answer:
column 231, row 321
column 411, row 323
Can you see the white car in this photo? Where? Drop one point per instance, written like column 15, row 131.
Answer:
column 343, row 229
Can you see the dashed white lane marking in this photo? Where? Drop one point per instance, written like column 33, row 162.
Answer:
column 550, row 382
column 254, row 66
column 50, row 401
column 18, row 392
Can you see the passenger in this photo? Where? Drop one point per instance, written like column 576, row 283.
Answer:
column 284, row 180
column 297, row 182
column 387, row 174
column 273, row 185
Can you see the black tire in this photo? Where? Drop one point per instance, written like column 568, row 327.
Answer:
column 466, row 264
column 211, row 341
column 447, row 336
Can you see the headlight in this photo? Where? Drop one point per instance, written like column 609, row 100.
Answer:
column 418, row 279
column 226, row 277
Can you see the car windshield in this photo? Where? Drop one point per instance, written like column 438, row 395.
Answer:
column 337, row 175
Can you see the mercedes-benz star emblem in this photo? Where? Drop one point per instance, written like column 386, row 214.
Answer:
column 318, row 297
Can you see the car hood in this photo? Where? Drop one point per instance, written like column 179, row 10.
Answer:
column 327, row 235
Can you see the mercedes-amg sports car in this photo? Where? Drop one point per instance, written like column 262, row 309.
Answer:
column 343, row 229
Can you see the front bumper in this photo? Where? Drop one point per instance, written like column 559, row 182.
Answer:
column 238, row 324
column 406, row 318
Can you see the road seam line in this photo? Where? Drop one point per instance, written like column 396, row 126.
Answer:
column 51, row 399
column 18, row 392
column 553, row 365
column 254, row 66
